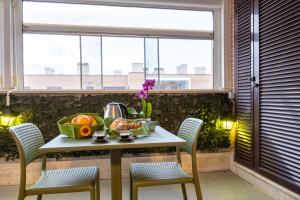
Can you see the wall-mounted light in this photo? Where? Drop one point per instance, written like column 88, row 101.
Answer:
column 227, row 124
column 8, row 116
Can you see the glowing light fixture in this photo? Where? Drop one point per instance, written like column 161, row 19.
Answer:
column 8, row 115
column 227, row 124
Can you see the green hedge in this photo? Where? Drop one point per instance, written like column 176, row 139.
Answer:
column 169, row 109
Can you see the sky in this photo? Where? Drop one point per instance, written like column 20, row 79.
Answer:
column 95, row 15
column 62, row 53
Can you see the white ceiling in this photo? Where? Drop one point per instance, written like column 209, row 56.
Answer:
column 175, row 4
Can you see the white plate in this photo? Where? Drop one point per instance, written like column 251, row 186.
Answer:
column 124, row 131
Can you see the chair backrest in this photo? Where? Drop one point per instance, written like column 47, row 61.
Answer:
column 189, row 131
column 29, row 139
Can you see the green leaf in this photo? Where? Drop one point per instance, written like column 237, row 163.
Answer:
column 132, row 111
column 140, row 131
column 144, row 105
column 113, row 133
column 142, row 114
column 108, row 121
column 149, row 109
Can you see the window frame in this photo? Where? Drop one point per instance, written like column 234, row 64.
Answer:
column 215, row 35
column 6, row 44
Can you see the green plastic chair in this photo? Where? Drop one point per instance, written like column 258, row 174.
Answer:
column 29, row 139
column 166, row 173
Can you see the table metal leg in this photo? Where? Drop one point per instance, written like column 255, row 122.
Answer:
column 116, row 176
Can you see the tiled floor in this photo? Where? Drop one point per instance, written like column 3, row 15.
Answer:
column 215, row 186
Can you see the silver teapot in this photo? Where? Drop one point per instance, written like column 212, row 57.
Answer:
column 115, row 110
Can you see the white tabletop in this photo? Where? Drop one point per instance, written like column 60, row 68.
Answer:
column 159, row 138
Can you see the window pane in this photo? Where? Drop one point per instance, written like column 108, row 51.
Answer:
column 50, row 62
column 91, row 62
column 114, row 16
column 151, row 59
column 186, row 64
column 123, row 62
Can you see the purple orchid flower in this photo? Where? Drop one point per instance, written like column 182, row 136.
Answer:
column 149, row 84
column 143, row 94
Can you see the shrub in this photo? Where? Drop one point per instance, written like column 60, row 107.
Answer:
column 213, row 136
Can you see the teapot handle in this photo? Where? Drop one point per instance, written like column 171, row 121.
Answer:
column 124, row 107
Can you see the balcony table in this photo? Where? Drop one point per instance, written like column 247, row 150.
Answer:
column 159, row 138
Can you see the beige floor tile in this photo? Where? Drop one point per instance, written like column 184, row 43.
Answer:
column 215, row 186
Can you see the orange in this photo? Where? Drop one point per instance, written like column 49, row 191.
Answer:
column 74, row 120
column 93, row 121
column 84, row 120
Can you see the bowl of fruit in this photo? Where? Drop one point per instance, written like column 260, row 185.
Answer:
column 81, row 125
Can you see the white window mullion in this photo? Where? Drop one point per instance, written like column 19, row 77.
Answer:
column 7, row 45
column 145, row 60
column 158, row 62
column 117, row 31
column 18, row 44
column 80, row 61
column 101, row 62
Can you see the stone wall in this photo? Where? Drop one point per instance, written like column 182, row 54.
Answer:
column 45, row 109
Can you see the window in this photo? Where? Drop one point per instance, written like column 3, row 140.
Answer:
column 186, row 64
column 123, row 62
column 91, row 60
column 77, row 46
column 114, row 16
column 51, row 62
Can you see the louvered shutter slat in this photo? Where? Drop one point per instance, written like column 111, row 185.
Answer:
column 244, row 148
column 279, row 93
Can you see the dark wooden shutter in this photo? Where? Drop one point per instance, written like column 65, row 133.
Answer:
column 244, row 150
column 279, row 92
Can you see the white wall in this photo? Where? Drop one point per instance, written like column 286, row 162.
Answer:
column 1, row 39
